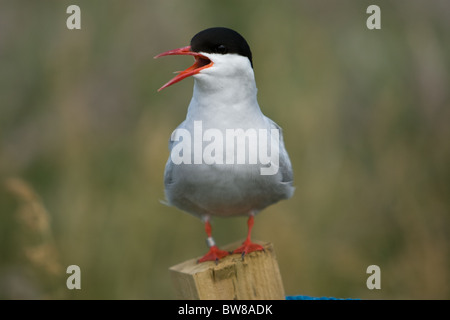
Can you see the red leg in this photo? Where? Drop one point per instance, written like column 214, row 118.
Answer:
column 248, row 246
column 214, row 253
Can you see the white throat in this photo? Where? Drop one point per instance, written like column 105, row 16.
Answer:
column 226, row 90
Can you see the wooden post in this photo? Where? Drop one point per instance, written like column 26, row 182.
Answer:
column 257, row 277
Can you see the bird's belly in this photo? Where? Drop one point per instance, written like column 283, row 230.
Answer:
column 222, row 190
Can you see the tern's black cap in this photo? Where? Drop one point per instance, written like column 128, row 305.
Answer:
column 221, row 40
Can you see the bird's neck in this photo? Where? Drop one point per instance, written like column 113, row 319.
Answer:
column 225, row 95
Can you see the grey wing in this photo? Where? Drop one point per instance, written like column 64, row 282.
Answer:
column 287, row 174
column 171, row 141
column 168, row 174
column 169, row 165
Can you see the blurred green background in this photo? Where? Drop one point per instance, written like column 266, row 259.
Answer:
column 83, row 144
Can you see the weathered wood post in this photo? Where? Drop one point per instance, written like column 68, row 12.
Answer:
column 257, row 277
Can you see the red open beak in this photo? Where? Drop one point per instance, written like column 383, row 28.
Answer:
column 201, row 62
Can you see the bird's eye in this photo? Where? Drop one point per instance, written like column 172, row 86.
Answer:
column 221, row 49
